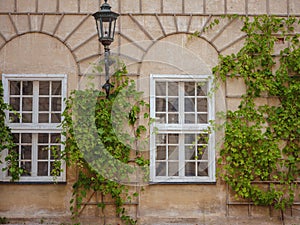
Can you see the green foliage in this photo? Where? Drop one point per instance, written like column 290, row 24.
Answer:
column 6, row 142
column 262, row 141
column 96, row 142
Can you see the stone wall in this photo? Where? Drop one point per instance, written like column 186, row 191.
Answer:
column 59, row 36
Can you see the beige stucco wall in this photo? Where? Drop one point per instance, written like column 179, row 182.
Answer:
column 59, row 36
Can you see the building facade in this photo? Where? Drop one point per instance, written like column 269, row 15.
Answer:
column 47, row 48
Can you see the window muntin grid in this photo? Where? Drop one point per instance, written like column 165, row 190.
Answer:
column 182, row 106
column 34, row 98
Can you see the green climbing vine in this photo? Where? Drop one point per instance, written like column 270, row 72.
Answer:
column 6, row 142
column 262, row 140
column 103, row 137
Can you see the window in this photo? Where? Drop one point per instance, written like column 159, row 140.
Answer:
column 182, row 143
column 38, row 101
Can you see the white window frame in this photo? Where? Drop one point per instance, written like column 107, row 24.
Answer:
column 34, row 127
column 157, row 128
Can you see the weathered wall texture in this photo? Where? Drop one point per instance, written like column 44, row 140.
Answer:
column 59, row 36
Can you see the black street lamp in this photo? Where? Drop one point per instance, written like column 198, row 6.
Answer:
column 106, row 25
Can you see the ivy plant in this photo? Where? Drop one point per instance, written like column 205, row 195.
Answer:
column 262, row 141
column 100, row 148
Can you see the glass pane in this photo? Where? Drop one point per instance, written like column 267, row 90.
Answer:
column 43, row 104
column 202, row 118
column 202, row 89
column 161, row 139
column 173, row 118
column 27, row 87
column 56, row 87
column 189, row 89
column 202, row 152
column 161, row 153
column 202, row 105
column 43, row 152
column 56, row 104
column 26, row 166
column 202, row 169
column 25, row 152
column 173, row 153
column 160, row 168
column 15, row 138
column 189, row 118
column 15, row 103
column 27, row 118
column 160, row 118
column 202, row 138
column 173, row 138
column 42, row 168
column 173, row 104
column 13, row 118
column 55, row 138
column 160, row 88
column 44, row 87
column 189, row 139
column 43, row 138
column 55, row 117
column 189, row 105
column 173, row 168
column 172, row 88
column 189, row 153
column 190, row 168
column 14, row 87
column 43, row 117
column 27, row 104
column 160, row 105
column 26, row 138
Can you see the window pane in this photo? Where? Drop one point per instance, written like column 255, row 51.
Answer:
column 172, row 88
column 43, row 138
column 160, row 168
column 202, row 105
column 190, row 169
column 202, row 152
column 56, row 87
column 43, row 104
column 189, row 139
column 26, row 152
column 27, row 104
column 55, row 117
column 202, row 89
column 173, row 104
column 202, row 138
column 26, row 138
column 189, row 89
column 56, row 104
column 43, row 152
column 43, row 117
column 173, row 118
column 160, row 88
column 189, row 153
column 173, row 168
column 15, row 103
column 14, row 87
column 13, row 118
column 44, row 87
column 160, row 118
column 27, row 117
column 173, row 153
column 55, row 152
column 202, row 118
column 16, row 138
column 173, row 138
column 202, row 169
column 161, row 139
column 189, row 105
column 27, row 87
column 52, row 168
column 55, row 138
column 161, row 152
column 43, row 169
column 26, row 166
column 189, row 118
column 160, row 105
